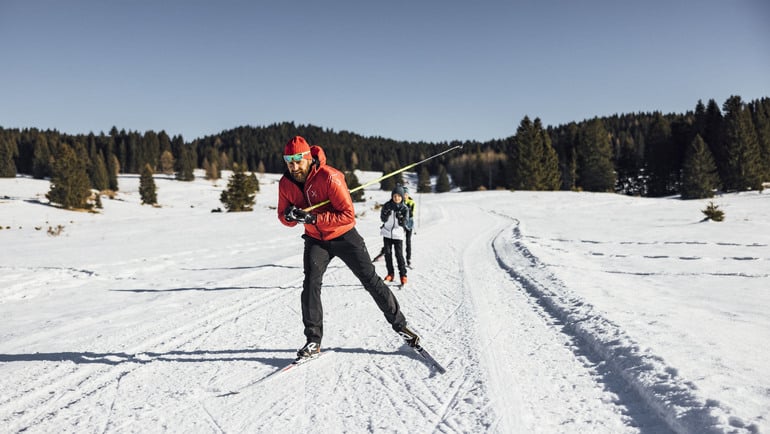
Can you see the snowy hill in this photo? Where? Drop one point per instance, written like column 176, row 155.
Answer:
column 552, row 312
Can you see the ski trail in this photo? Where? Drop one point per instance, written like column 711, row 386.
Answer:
column 534, row 381
column 673, row 399
column 63, row 387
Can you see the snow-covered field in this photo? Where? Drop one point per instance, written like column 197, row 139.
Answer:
column 552, row 312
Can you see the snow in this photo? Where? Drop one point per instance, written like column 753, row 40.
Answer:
column 552, row 312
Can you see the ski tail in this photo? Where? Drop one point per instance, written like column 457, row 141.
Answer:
column 429, row 360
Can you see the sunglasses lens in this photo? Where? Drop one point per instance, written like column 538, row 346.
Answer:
column 295, row 157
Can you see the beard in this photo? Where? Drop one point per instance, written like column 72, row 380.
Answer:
column 299, row 175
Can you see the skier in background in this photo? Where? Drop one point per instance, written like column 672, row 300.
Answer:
column 395, row 222
column 329, row 232
column 409, row 202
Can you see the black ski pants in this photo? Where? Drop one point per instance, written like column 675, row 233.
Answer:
column 351, row 249
column 408, row 246
column 391, row 245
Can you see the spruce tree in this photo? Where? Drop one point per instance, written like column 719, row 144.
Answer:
column 99, row 178
column 594, row 156
column 147, row 189
column 8, row 151
column 352, row 182
column 442, row 181
column 743, row 159
column 564, row 140
column 527, row 156
column 713, row 135
column 184, row 165
column 241, row 191
column 549, row 162
column 41, row 158
column 423, row 181
column 388, row 184
column 760, row 113
column 70, row 186
column 699, row 173
column 660, row 158
column 113, row 168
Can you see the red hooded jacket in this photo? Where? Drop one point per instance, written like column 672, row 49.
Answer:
column 322, row 183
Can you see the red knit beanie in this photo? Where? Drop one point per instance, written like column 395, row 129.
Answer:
column 297, row 145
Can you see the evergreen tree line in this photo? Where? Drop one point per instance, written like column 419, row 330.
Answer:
column 648, row 154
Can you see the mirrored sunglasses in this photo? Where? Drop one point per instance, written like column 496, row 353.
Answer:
column 295, row 157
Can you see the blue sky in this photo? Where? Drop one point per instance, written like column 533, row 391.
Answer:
column 407, row 70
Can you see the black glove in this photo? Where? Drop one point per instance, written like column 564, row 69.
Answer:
column 294, row 214
column 401, row 217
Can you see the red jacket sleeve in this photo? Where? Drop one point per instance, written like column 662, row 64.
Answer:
column 285, row 199
column 339, row 213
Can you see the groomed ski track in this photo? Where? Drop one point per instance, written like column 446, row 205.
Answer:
column 523, row 353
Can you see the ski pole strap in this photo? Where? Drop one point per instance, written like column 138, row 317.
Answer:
column 393, row 173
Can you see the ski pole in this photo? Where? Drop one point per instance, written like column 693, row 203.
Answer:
column 395, row 172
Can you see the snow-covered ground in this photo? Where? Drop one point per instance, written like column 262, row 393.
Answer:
column 552, row 312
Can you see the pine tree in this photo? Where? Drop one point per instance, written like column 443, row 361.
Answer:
column 150, row 150
column 743, row 159
column 147, row 189
column 70, row 186
column 423, row 181
column 594, row 155
column 352, row 182
column 699, row 173
column 660, row 158
column 8, row 151
column 41, row 159
column 565, row 141
column 442, row 182
column 760, row 113
column 549, row 161
column 99, row 177
column 527, row 156
column 184, row 165
column 241, row 191
column 713, row 134
column 113, row 168
column 388, row 184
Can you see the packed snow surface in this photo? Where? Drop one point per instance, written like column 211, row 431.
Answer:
column 551, row 311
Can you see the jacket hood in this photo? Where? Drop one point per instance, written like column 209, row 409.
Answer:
column 318, row 154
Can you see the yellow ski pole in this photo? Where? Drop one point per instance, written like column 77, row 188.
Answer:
column 395, row 172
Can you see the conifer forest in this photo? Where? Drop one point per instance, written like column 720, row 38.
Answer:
column 694, row 154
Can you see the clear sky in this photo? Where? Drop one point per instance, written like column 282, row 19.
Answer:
column 403, row 69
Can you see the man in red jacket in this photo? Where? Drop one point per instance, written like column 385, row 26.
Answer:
column 329, row 232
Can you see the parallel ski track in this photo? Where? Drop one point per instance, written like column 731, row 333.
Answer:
column 57, row 389
column 672, row 400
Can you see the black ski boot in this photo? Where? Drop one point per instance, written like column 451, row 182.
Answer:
column 311, row 350
column 410, row 337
